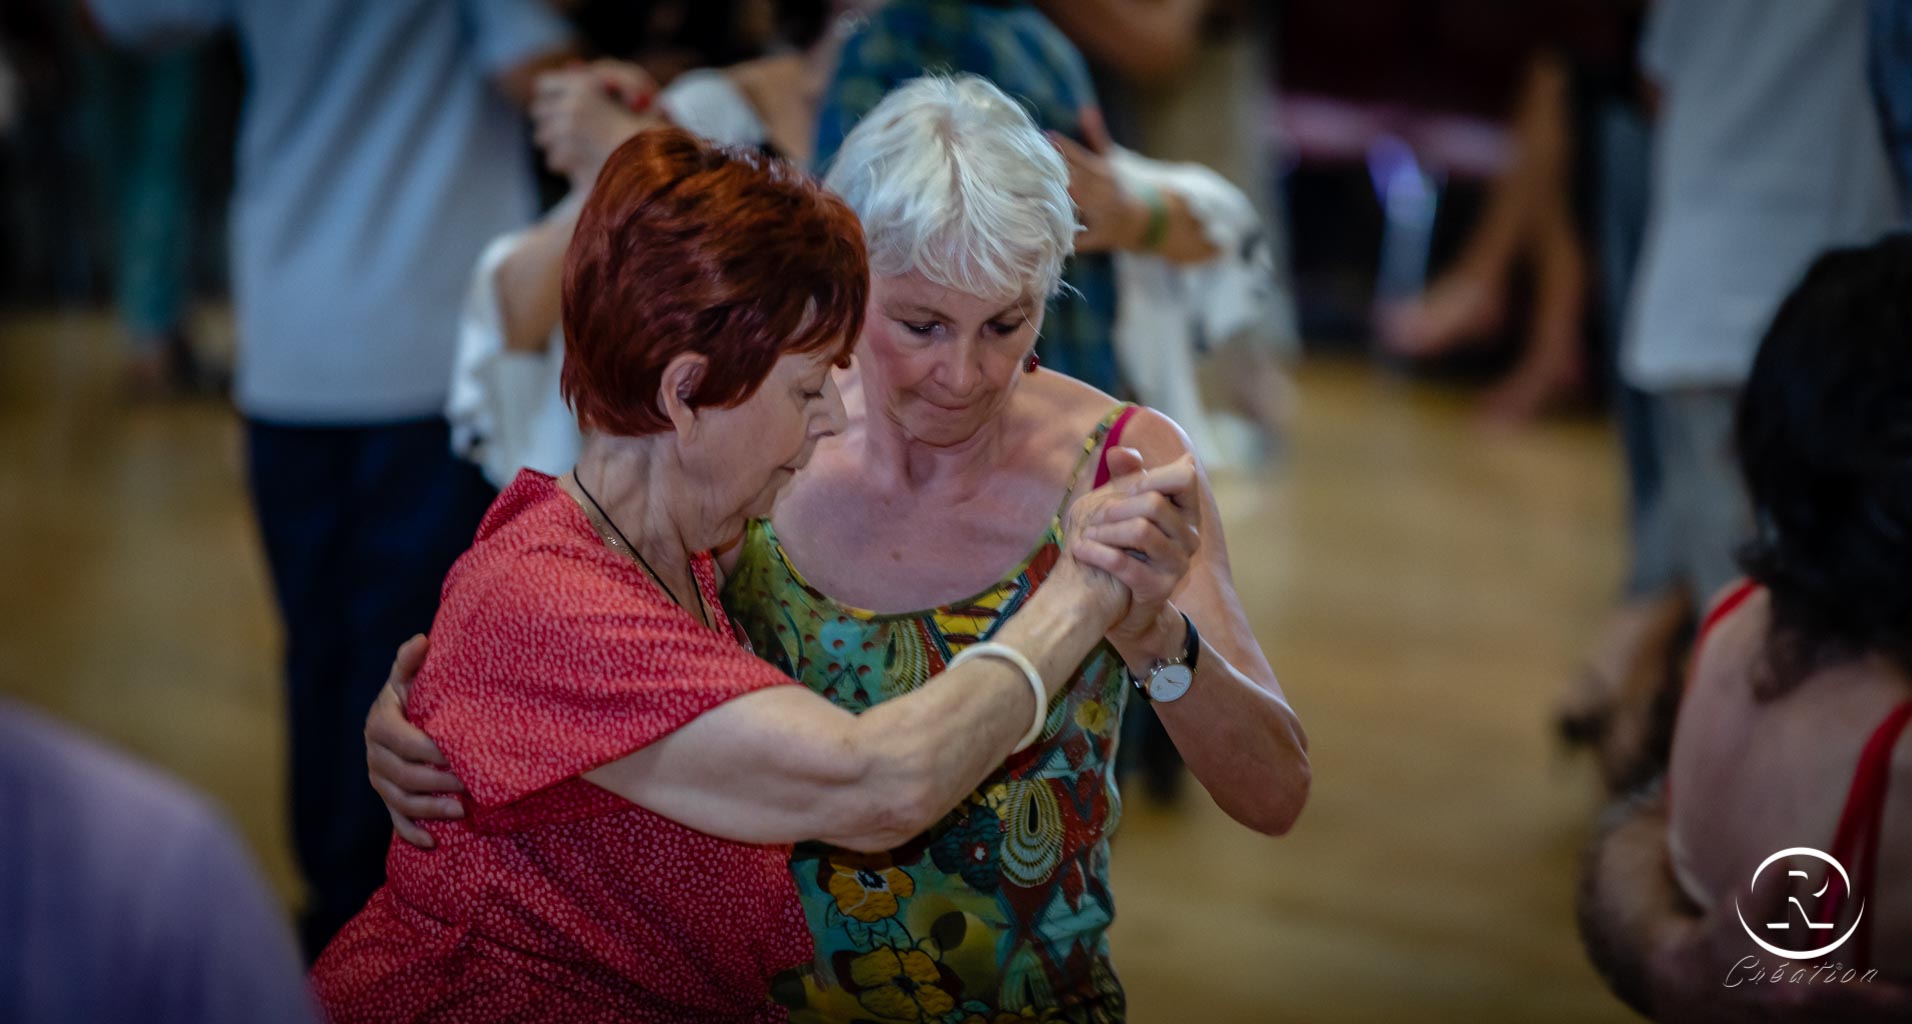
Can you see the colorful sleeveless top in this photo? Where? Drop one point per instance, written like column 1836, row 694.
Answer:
column 1000, row 909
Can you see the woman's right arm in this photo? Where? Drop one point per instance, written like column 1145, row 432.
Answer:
column 1669, row 961
column 783, row 764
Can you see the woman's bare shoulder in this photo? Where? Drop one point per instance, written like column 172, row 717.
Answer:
column 1735, row 631
column 1068, row 411
column 1059, row 406
column 1717, row 698
column 1061, row 392
column 1751, row 774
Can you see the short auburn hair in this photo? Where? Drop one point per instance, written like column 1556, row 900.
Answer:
column 686, row 246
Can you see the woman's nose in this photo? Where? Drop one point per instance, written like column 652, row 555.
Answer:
column 834, row 419
column 961, row 373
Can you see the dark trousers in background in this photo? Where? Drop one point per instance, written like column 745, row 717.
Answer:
column 140, row 110
column 360, row 525
column 1622, row 168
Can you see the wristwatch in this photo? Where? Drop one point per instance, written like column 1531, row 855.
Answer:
column 1170, row 678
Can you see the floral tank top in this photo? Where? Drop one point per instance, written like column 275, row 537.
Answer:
column 999, row 911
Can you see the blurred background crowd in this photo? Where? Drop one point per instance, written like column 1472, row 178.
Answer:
column 1459, row 300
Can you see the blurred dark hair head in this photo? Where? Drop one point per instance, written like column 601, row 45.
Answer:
column 1825, row 446
column 758, row 27
column 676, row 35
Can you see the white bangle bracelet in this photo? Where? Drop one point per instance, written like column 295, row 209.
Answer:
column 992, row 649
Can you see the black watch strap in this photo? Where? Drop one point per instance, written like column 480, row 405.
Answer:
column 1192, row 647
column 1191, row 656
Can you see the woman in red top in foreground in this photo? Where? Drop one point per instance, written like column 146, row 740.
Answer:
column 635, row 775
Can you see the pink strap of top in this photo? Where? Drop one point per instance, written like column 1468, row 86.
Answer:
column 1856, row 844
column 1727, row 605
column 1115, row 435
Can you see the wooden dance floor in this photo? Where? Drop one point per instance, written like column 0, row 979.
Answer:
column 1421, row 586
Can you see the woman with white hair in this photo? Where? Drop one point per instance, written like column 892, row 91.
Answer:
column 912, row 535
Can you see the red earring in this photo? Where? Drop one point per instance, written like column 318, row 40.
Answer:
column 1029, row 365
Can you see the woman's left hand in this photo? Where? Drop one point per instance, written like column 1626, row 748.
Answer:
column 405, row 767
column 1147, row 540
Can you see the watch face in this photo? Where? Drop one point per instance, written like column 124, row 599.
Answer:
column 1170, row 682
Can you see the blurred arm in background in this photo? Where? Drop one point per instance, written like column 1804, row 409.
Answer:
column 579, row 116
column 1627, row 896
column 1118, row 218
column 582, row 113
column 1148, row 42
column 1669, row 961
column 529, row 279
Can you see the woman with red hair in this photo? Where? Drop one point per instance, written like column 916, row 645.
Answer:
column 634, row 775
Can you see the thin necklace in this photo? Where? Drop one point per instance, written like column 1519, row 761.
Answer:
column 632, row 548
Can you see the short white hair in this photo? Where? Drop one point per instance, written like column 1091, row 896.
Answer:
column 953, row 180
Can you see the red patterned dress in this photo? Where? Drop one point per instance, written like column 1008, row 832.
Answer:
column 553, row 899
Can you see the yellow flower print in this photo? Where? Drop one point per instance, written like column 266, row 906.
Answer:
column 1025, row 1017
column 1095, row 717
column 869, row 893
column 900, row 984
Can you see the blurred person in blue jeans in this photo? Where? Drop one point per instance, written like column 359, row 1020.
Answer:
column 1766, row 152
column 381, row 146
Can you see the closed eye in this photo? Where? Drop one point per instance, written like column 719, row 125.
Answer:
column 918, row 328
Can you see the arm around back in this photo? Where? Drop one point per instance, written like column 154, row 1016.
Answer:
column 783, row 764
